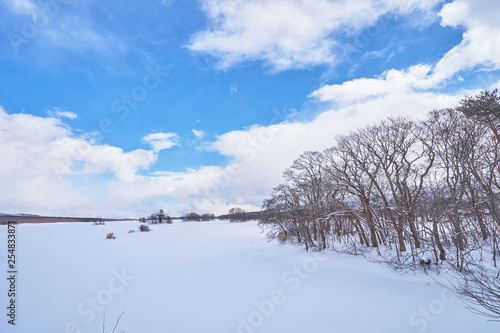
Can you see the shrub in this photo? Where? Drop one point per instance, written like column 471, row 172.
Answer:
column 191, row 217
column 144, row 228
column 284, row 237
column 110, row 236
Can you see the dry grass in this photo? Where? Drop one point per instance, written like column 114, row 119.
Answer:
column 284, row 237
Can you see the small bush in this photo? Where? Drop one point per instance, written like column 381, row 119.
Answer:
column 425, row 262
column 131, row 231
column 110, row 236
column 283, row 237
column 144, row 228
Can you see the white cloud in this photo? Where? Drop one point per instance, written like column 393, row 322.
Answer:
column 47, row 169
column 454, row 13
column 198, row 133
column 254, row 168
column 289, row 34
column 159, row 141
column 480, row 45
column 261, row 153
column 390, row 82
column 45, row 166
column 33, row 145
column 58, row 113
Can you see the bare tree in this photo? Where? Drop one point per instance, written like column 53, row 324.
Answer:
column 237, row 214
column 453, row 148
column 412, row 187
column 348, row 165
column 307, row 176
column 480, row 291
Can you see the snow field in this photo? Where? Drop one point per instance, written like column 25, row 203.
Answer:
column 213, row 277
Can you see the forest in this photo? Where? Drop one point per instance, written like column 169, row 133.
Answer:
column 418, row 193
column 414, row 191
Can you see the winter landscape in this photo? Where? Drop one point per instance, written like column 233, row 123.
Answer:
column 216, row 277
column 248, row 166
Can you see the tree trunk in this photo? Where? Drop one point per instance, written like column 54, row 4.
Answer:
column 413, row 230
column 442, row 252
column 401, row 239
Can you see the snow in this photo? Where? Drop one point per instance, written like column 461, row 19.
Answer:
column 212, row 277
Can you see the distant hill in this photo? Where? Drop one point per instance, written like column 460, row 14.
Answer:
column 30, row 218
column 21, row 214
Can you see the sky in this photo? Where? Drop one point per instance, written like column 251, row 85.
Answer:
column 122, row 108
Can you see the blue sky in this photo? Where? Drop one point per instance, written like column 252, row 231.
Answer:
column 122, row 108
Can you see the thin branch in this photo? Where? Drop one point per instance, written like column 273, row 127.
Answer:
column 103, row 321
column 118, row 322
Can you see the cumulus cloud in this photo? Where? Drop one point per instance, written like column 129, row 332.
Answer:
column 46, row 167
column 254, row 151
column 389, row 82
column 480, row 45
column 50, row 170
column 159, row 141
column 42, row 162
column 198, row 133
column 289, row 34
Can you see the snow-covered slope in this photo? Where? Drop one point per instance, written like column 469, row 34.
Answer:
column 215, row 277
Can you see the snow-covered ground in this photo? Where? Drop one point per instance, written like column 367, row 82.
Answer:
column 212, row 277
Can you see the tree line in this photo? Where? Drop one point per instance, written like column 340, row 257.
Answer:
column 156, row 218
column 235, row 214
column 416, row 187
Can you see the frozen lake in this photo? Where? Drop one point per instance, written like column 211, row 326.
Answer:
column 212, row 277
